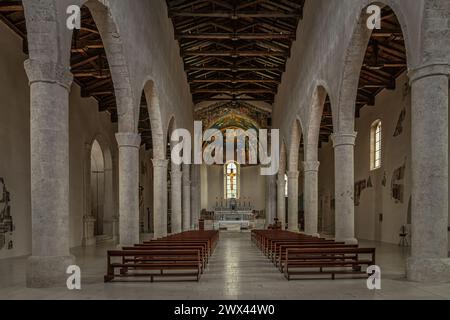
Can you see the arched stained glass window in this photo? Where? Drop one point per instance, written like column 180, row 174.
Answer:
column 375, row 145
column 231, row 180
column 286, row 185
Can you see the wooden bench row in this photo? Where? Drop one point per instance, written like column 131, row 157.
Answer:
column 183, row 256
column 297, row 255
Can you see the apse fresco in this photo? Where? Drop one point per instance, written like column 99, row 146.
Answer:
column 234, row 121
column 232, row 115
column 240, row 115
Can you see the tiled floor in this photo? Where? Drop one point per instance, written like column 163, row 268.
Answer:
column 236, row 271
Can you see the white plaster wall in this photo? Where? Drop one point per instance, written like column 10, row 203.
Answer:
column 85, row 123
column 396, row 151
column 252, row 186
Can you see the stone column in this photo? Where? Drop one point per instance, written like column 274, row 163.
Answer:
column 195, row 195
column 344, row 145
column 88, row 219
column 281, row 201
column 49, row 131
column 311, row 199
column 186, row 197
column 429, row 158
column 159, row 198
column 129, row 144
column 176, row 191
column 293, row 201
column 271, row 199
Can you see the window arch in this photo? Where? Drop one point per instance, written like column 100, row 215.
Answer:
column 231, row 179
column 375, row 145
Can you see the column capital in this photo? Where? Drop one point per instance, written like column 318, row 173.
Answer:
column 343, row 139
column 293, row 175
column 49, row 72
column 429, row 70
column 128, row 139
column 311, row 166
column 160, row 163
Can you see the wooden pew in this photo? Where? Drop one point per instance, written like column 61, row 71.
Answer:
column 330, row 261
column 142, row 262
column 282, row 250
column 165, row 257
column 201, row 249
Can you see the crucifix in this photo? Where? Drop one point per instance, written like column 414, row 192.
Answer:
column 232, row 175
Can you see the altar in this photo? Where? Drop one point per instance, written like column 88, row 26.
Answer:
column 233, row 219
column 233, row 214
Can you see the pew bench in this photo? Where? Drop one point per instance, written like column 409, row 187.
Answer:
column 327, row 261
column 153, row 264
column 203, row 255
column 280, row 257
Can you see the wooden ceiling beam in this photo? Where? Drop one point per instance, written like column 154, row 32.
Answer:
column 233, row 81
column 235, row 54
column 233, row 91
column 235, row 36
column 235, row 15
column 231, row 69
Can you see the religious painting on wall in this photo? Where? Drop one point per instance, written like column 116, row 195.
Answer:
column 397, row 187
column 359, row 187
column 6, row 221
column 369, row 182
column 401, row 120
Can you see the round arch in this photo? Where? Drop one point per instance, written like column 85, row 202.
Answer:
column 154, row 112
column 312, row 132
column 294, row 147
column 343, row 121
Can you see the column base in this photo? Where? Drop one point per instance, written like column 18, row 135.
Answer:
column 297, row 230
column 48, row 272
column 428, row 270
column 347, row 240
